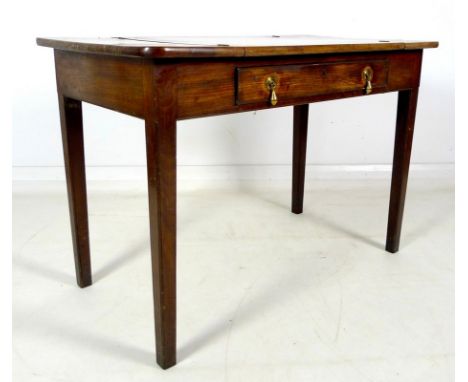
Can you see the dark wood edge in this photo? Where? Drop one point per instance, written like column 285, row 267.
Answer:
column 222, row 51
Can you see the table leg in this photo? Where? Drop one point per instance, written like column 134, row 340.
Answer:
column 301, row 114
column 406, row 113
column 160, row 127
column 71, row 121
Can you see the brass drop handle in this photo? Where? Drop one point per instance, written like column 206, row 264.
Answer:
column 367, row 75
column 271, row 85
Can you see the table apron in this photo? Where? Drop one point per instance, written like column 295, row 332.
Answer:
column 215, row 87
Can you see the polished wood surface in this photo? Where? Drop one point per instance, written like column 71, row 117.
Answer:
column 162, row 81
column 204, row 47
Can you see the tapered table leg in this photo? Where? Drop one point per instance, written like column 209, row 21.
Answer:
column 71, row 120
column 301, row 114
column 407, row 102
column 160, row 127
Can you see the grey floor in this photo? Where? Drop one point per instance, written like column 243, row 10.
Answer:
column 263, row 295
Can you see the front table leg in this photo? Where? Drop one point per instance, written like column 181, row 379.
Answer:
column 406, row 113
column 160, row 127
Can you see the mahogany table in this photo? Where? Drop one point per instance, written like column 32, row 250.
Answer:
column 165, row 79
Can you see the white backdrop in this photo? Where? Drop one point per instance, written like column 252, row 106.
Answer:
column 355, row 131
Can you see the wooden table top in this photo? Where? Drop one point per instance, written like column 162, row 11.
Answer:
column 249, row 46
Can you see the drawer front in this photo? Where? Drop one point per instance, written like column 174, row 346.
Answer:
column 297, row 81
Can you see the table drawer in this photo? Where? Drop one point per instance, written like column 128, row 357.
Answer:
column 295, row 81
